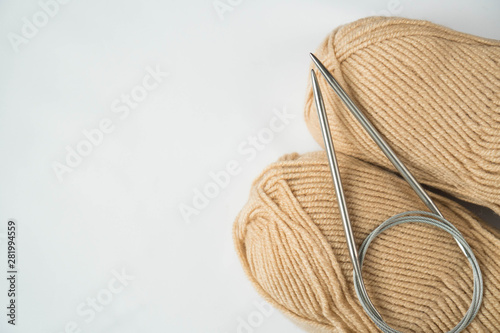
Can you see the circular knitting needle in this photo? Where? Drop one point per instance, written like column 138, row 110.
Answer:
column 435, row 218
column 339, row 191
column 377, row 137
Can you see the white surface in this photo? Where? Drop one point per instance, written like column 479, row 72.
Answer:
column 119, row 209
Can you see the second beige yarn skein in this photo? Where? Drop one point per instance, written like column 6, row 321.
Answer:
column 291, row 244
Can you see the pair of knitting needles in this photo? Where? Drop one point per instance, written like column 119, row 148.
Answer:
column 435, row 219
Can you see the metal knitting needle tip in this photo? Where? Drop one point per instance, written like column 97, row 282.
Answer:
column 339, row 191
column 376, row 136
column 334, row 169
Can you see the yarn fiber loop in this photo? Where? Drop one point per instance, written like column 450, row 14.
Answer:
column 436, row 221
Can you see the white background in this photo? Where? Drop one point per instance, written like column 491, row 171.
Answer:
column 119, row 209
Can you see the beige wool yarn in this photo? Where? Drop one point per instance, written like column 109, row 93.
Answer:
column 291, row 244
column 433, row 93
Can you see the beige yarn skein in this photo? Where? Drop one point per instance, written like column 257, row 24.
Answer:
column 291, row 244
column 432, row 92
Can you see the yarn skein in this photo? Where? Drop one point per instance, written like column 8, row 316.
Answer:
column 290, row 241
column 432, row 92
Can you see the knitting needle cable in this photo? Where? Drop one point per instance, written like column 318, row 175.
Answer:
column 435, row 218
